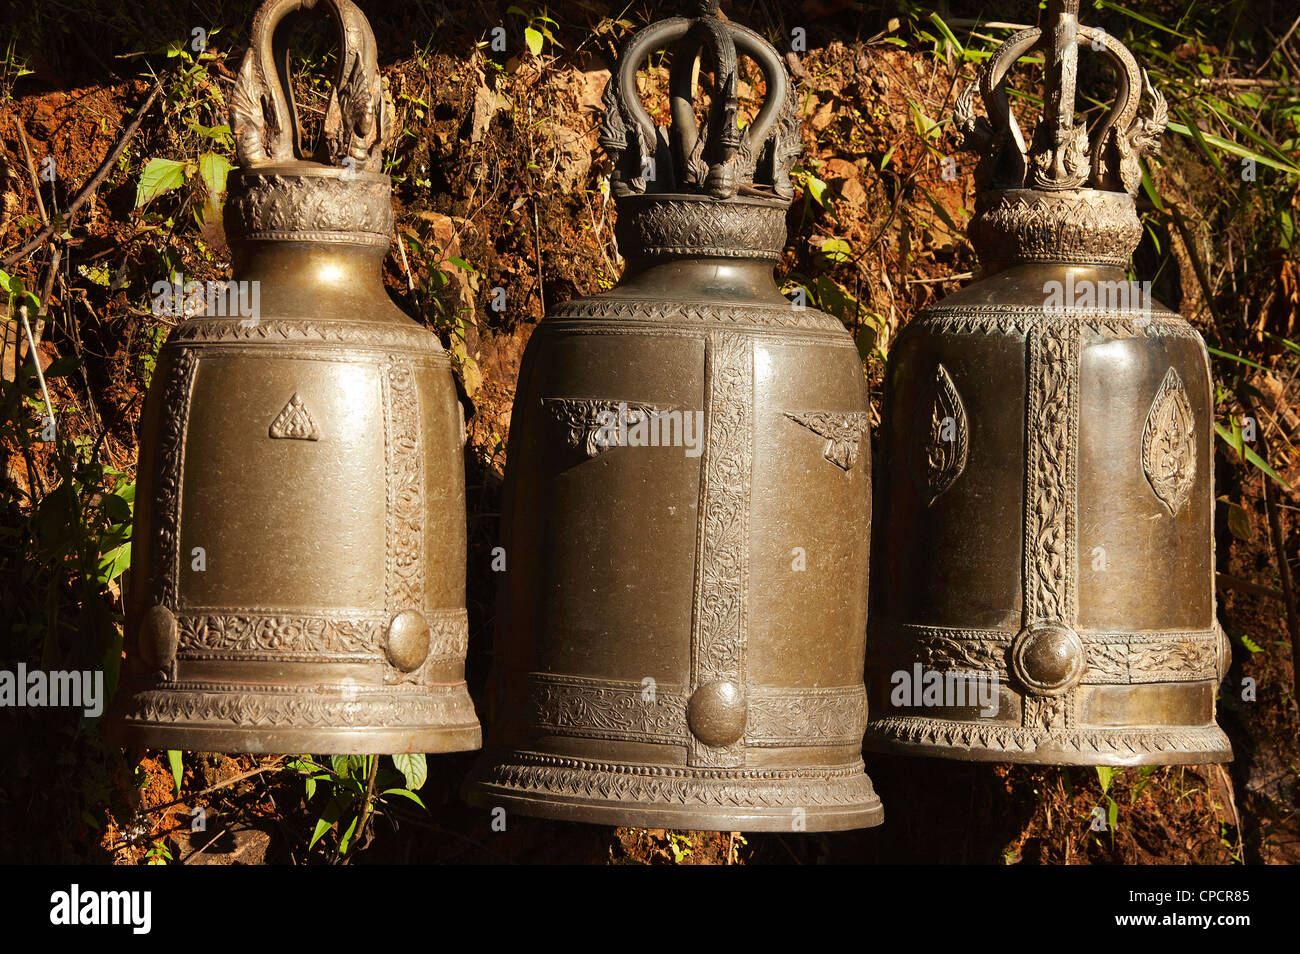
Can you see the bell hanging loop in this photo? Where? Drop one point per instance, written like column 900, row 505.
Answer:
column 719, row 160
column 264, row 114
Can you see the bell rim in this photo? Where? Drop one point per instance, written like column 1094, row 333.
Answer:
column 862, row 809
column 1215, row 748
column 616, row 814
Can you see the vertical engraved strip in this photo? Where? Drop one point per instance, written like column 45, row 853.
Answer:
column 719, row 628
column 171, row 461
column 1051, row 494
column 404, row 476
column 1050, row 478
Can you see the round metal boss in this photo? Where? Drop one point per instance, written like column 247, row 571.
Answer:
column 716, row 713
column 1048, row 658
column 408, row 641
column 158, row 638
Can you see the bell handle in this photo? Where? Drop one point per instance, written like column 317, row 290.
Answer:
column 264, row 114
column 1121, row 114
column 723, row 41
column 647, row 41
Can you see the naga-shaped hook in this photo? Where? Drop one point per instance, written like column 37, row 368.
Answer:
column 721, row 160
column 264, row 116
column 1061, row 154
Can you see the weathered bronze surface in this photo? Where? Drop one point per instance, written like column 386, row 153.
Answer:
column 298, row 572
column 1046, row 496
column 680, row 633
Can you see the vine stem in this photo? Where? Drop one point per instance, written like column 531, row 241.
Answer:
column 367, row 810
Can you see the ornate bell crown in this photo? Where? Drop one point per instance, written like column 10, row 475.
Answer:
column 682, row 190
column 338, row 194
column 1065, row 196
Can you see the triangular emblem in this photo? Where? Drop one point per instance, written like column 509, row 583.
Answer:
column 295, row 422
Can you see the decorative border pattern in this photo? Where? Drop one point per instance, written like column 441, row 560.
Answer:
column 1021, row 319
column 355, row 209
column 606, row 709
column 404, row 474
column 700, row 227
column 822, row 716
column 243, row 634
column 238, row 636
column 660, row 312
column 626, row 711
column 1112, row 658
column 1082, row 227
column 814, row 786
column 1015, row 739
column 261, row 707
column 379, row 337
column 719, row 624
column 1051, row 523
column 174, row 427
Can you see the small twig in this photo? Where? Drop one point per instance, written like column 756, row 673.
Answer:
column 1237, row 81
column 55, row 257
column 1280, row 43
column 968, row 23
column 406, row 266
column 1246, row 586
column 367, row 810
column 188, row 859
column 938, row 281
column 88, row 189
column 1232, row 803
column 31, row 171
column 537, row 234
column 212, row 788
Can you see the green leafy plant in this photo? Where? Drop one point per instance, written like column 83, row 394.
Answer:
column 351, row 790
column 539, row 30
column 1106, row 777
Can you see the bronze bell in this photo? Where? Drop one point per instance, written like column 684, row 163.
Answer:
column 298, row 574
column 1044, row 586
column 681, row 625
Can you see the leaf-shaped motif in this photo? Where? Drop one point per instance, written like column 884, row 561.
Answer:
column 592, row 425
column 1169, row 444
column 843, row 432
column 946, row 436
